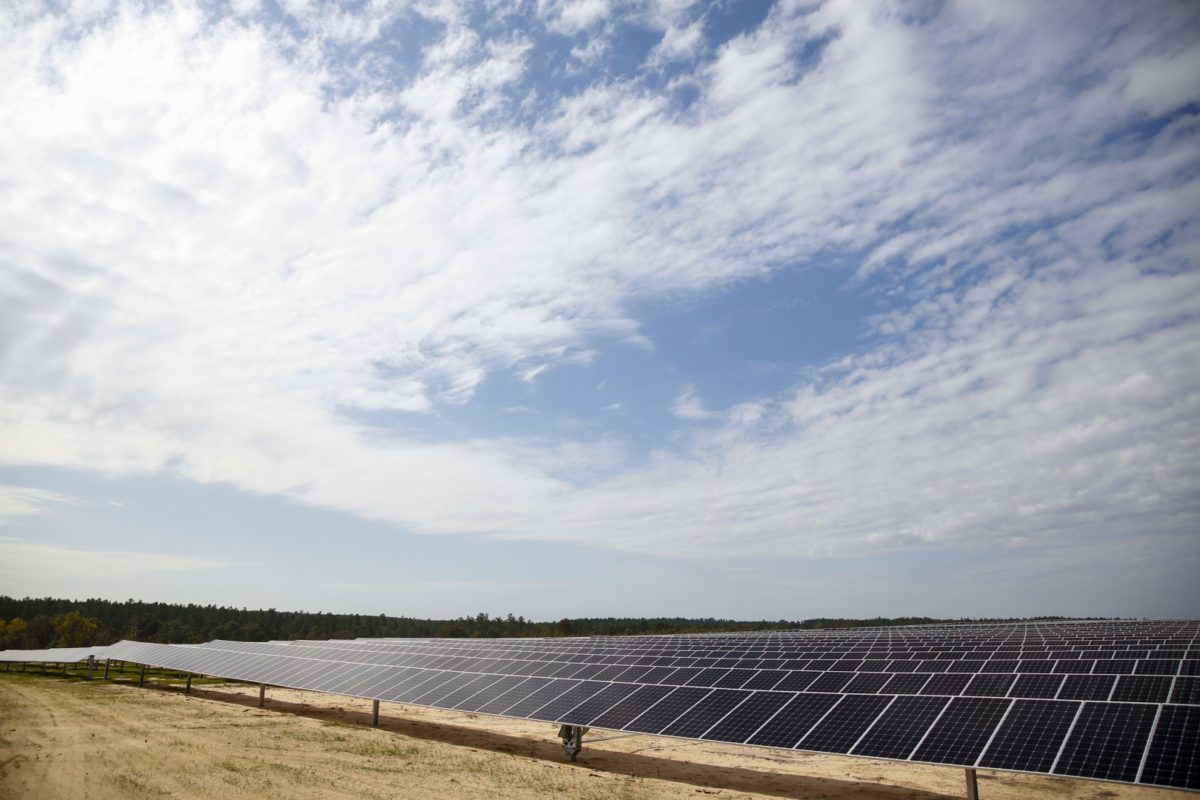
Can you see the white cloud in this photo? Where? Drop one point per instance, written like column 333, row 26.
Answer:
column 27, row 563
column 573, row 16
column 678, row 44
column 688, row 406
column 23, row 501
column 208, row 259
column 531, row 374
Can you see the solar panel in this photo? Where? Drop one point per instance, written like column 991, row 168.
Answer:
column 1108, row 741
column 1109, row 700
column 1173, row 758
column 1031, row 735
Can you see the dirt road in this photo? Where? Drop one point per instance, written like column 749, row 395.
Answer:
column 73, row 739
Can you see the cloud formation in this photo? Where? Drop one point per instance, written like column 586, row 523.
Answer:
column 222, row 243
column 26, row 563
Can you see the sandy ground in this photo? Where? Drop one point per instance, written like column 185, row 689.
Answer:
column 72, row 739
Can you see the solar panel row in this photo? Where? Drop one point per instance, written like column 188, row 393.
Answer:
column 845, row 692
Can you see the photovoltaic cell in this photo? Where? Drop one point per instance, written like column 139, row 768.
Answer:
column 420, row 688
column 905, row 683
column 1107, row 741
column 735, row 679
column 1174, row 755
column 1186, row 691
column 797, row 681
column 990, row 684
column 681, row 676
column 667, row 710
column 946, row 683
column 743, row 721
column 845, row 724
column 596, row 704
column 624, row 712
column 1157, row 666
column 961, row 732
column 1142, row 689
column 1030, row 736
column 1036, row 685
column 480, row 683
column 481, row 698
column 830, row 682
column 766, row 679
column 506, row 699
column 794, row 720
column 708, row 712
column 867, row 683
column 1087, row 687
column 707, row 677
column 900, row 727
column 447, row 689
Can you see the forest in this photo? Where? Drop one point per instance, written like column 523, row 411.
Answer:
column 34, row 623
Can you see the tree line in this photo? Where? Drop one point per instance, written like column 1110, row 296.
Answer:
column 35, row 623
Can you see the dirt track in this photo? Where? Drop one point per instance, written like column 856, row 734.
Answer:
column 71, row 739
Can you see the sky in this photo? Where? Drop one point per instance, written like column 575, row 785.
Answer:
column 602, row 308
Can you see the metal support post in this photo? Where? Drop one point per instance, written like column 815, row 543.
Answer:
column 43, row 667
column 106, row 663
column 262, row 694
column 572, row 739
column 375, row 713
column 972, row 785
column 188, row 689
column 142, row 677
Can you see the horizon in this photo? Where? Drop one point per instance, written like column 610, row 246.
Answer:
column 626, row 308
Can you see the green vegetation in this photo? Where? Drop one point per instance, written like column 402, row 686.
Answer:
column 33, row 623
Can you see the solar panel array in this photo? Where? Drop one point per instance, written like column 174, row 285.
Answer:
column 1116, row 701
column 52, row 655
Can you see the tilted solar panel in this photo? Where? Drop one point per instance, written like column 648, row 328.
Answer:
column 1108, row 700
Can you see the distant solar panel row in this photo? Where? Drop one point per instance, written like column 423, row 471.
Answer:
column 53, row 655
column 1113, row 701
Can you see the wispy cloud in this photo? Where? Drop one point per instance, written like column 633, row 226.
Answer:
column 25, row 563
column 216, row 241
column 688, row 406
column 22, row 501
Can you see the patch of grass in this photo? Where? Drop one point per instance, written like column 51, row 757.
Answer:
column 242, row 774
column 377, row 750
column 133, row 783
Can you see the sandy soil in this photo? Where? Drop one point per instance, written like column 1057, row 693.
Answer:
column 72, row 739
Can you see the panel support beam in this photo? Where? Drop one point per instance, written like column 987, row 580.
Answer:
column 142, row 676
column 375, row 713
column 106, row 663
column 572, row 740
column 972, row 784
column 262, row 695
column 188, row 689
column 91, row 665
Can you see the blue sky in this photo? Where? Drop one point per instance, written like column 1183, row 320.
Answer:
column 756, row 310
